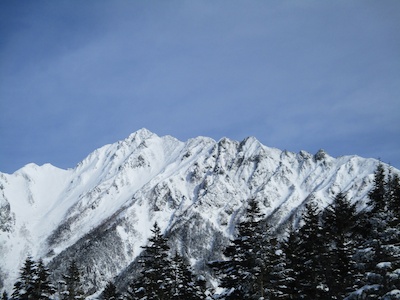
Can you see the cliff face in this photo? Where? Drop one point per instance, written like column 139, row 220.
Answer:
column 100, row 213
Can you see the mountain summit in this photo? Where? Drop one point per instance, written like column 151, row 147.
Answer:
column 101, row 212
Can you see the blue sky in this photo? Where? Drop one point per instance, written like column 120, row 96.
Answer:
column 297, row 75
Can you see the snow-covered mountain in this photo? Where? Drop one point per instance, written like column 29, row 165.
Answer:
column 100, row 213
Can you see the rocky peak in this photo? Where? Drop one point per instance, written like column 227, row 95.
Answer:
column 101, row 212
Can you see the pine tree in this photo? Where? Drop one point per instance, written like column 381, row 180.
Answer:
column 378, row 256
column 275, row 271
column 155, row 281
column 43, row 289
column 378, row 193
column 24, row 287
column 291, row 248
column 184, row 283
column 243, row 273
column 72, row 280
column 309, row 265
column 394, row 195
column 4, row 296
column 339, row 221
column 110, row 292
column 34, row 282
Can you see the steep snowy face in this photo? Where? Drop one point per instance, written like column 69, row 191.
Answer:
column 100, row 213
column 46, row 205
column 106, row 181
column 26, row 200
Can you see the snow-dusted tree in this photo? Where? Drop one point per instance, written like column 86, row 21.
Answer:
column 155, row 281
column 24, row 287
column 242, row 274
column 184, row 282
column 110, row 292
column 378, row 255
column 394, row 195
column 290, row 248
column 4, row 296
column 378, row 193
column 43, row 288
column 34, row 282
column 339, row 222
column 309, row 264
column 72, row 279
column 276, row 275
column 385, row 250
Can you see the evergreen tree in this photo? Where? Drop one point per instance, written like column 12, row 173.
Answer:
column 155, row 282
column 378, row 255
column 24, row 287
column 4, row 296
column 309, row 264
column 291, row 246
column 394, row 195
column 34, row 282
column 43, row 289
column 184, row 283
column 243, row 273
column 378, row 193
column 275, row 271
column 72, row 280
column 339, row 221
column 110, row 292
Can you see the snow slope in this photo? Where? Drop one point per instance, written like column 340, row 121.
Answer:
column 100, row 213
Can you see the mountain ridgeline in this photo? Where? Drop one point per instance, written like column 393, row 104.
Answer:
column 101, row 214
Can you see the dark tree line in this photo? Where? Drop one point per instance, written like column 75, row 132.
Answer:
column 335, row 253
column 163, row 277
column 34, row 283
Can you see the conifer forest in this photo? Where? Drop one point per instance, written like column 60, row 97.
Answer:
column 344, row 251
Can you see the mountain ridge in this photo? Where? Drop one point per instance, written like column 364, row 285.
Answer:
column 195, row 190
